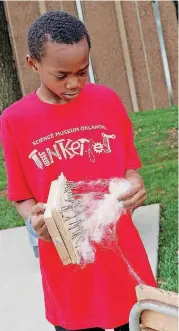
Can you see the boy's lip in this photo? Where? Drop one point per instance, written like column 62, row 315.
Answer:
column 70, row 95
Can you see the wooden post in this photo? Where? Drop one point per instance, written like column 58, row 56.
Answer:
column 122, row 31
column 42, row 7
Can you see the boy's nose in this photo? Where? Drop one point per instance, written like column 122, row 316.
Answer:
column 73, row 83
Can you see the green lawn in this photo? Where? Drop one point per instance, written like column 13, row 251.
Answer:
column 156, row 141
column 2, row 172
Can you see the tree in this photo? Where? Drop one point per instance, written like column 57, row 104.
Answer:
column 176, row 7
column 9, row 84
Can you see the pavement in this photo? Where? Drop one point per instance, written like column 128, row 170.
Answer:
column 147, row 222
column 21, row 296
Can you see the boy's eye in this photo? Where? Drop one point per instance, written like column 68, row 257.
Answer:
column 60, row 77
column 83, row 73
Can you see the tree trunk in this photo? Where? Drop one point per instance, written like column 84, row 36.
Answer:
column 9, row 84
column 176, row 7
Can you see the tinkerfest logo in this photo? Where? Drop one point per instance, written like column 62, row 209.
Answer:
column 68, row 149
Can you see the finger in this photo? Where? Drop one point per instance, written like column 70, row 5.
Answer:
column 41, row 230
column 37, row 222
column 138, row 204
column 47, row 238
column 44, row 234
column 129, row 193
column 38, row 208
column 138, row 197
column 140, row 201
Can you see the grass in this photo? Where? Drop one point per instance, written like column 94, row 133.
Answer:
column 3, row 181
column 156, row 140
column 9, row 218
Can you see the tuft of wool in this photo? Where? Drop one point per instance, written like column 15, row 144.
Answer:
column 101, row 212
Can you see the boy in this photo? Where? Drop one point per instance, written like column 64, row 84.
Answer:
column 83, row 131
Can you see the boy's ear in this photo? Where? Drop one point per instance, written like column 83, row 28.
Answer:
column 32, row 63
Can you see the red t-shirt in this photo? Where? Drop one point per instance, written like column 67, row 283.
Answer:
column 86, row 139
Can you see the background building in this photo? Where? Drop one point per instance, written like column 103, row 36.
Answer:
column 127, row 50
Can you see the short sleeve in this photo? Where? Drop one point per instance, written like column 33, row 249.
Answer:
column 17, row 187
column 132, row 159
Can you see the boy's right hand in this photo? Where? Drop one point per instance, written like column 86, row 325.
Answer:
column 37, row 221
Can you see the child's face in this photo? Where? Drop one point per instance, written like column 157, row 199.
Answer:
column 63, row 69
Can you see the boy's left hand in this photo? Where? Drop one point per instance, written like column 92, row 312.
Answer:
column 135, row 196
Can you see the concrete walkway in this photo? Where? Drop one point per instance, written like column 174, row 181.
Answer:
column 147, row 222
column 21, row 297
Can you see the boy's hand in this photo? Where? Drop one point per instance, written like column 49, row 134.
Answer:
column 135, row 196
column 37, row 222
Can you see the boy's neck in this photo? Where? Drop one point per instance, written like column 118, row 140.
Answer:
column 45, row 95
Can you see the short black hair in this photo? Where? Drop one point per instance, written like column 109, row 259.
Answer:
column 57, row 26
